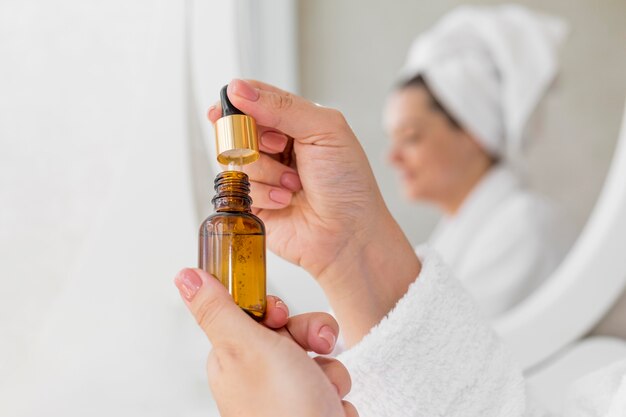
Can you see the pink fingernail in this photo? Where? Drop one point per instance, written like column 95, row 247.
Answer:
column 274, row 141
column 280, row 196
column 291, row 181
column 282, row 306
column 210, row 111
column 188, row 283
column 243, row 89
column 328, row 335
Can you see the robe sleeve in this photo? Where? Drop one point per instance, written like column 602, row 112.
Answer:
column 433, row 355
column 599, row 394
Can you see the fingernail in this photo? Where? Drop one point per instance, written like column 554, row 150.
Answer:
column 328, row 335
column 282, row 306
column 274, row 141
column 210, row 114
column 291, row 181
column 244, row 90
column 188, row 283
column 280, row 196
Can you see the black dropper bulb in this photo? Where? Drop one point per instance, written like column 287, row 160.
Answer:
column 227, row 107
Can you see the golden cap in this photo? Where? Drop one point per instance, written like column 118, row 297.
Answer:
column 236, row 139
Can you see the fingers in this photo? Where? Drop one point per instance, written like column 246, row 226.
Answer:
column 282, row 111
column 276, row 314
column 268, row 197
column 272, row 172
column 272, row 184
column 215, row 111
column 336, row 373
column 213, row 308
column 349, row 409
column 265, row 86
column 316, row 332
column 271, row 141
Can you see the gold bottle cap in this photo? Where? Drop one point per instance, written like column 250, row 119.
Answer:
column 236, row 139
column 236, row 135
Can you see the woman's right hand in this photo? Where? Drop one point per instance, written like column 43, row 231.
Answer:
column 325, row 211
column 314, row 211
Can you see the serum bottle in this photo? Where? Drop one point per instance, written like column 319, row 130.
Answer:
column 232, row 239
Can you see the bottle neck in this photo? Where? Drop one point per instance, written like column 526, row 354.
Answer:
column 233, row 192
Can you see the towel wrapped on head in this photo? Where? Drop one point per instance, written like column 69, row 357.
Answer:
column 489, row 67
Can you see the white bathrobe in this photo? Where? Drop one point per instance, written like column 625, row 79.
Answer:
column 433, row 355
column 503, row 242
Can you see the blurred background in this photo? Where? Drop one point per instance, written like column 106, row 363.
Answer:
column 350, row 53
column 106, row 165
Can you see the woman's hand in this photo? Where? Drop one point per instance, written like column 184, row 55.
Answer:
column 324, row 210
column 336, row 196
column 255, row 371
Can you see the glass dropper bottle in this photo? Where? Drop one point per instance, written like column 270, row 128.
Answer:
column 232, row 239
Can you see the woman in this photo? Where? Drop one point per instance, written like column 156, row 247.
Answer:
column 420, row 347
column 457, row 122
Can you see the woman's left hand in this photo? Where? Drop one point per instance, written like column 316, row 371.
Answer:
column 261, row 372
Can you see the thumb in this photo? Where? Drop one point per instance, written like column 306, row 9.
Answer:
column 214, row 309
column 277, row 109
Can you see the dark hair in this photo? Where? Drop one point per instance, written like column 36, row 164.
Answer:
column 420, row 82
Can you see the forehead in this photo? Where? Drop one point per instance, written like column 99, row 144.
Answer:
column 406, row 108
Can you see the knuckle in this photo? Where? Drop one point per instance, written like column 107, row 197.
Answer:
column 281, row 101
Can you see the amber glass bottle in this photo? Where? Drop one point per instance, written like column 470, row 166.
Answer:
column 232, row 243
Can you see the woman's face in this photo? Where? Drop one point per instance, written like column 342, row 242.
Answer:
column 430, row 153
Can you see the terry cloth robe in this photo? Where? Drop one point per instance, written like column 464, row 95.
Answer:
column 433, row 355
column 503, row 242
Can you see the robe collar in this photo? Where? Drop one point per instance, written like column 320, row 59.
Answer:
column 454, row 233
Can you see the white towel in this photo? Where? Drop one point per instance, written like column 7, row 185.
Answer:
column 489, row 67
column 602, row 393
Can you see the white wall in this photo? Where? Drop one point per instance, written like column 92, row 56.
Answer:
column 96, row 212
column 351, row 50
column 105, row 174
